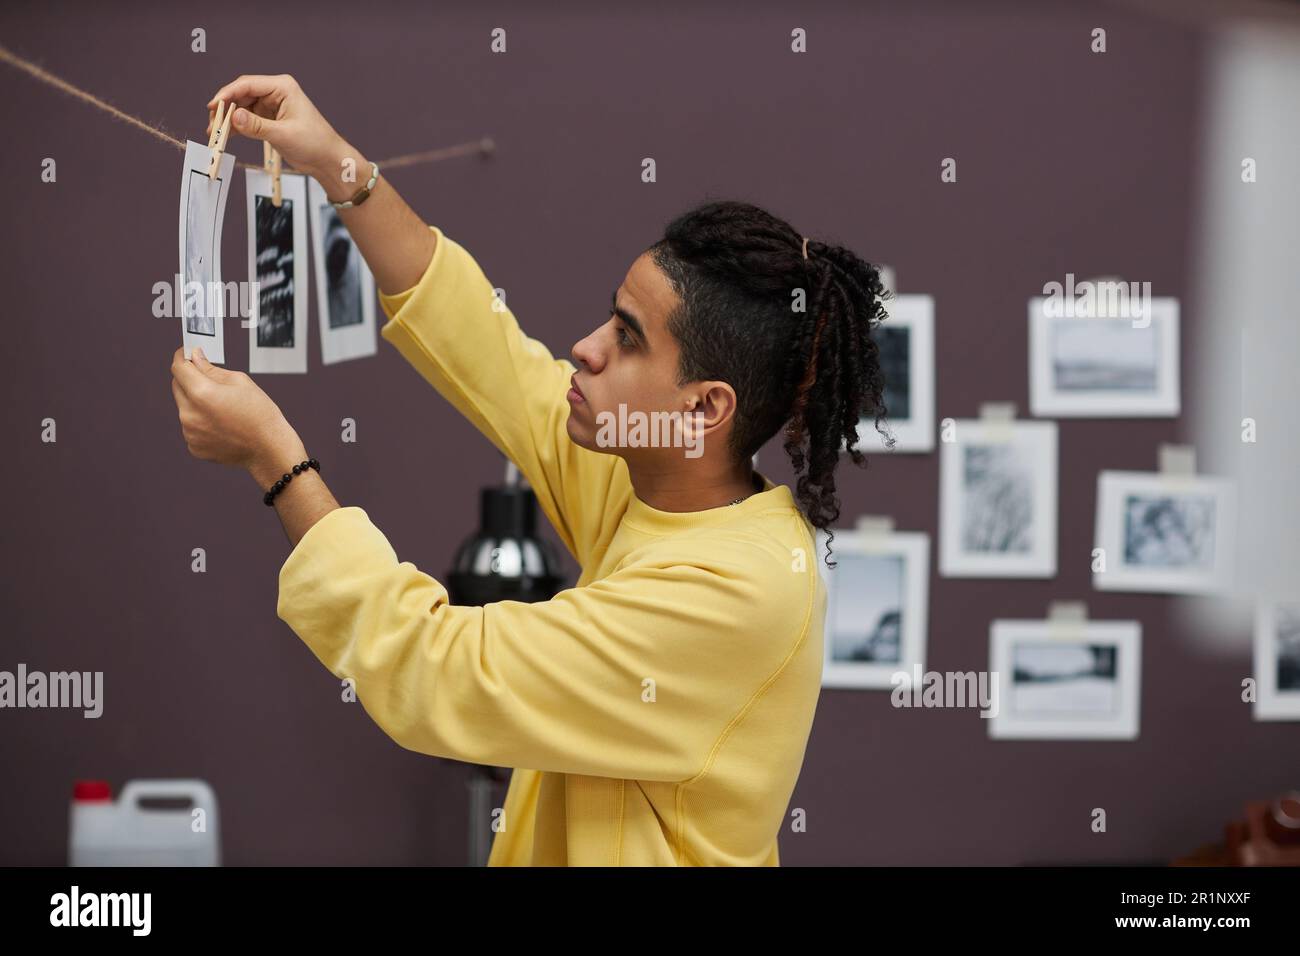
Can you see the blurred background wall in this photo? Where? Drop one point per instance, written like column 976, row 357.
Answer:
column 1068, row 161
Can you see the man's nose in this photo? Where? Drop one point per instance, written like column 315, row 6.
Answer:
column 586, row 353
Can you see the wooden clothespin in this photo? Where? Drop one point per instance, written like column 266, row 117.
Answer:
column 217, row 138
column 271, row 163
column 216, row 123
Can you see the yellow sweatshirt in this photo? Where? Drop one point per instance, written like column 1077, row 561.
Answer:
column 657, row 712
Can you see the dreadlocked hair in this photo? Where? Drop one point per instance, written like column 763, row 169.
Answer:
column 791, row 335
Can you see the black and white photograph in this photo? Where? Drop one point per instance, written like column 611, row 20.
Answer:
column 1104, row 366
column 895, row 357
column 277, row 262
column 202, row 209
column 345, row 287
column 1277, row 660
column 342, row 272
column 274, row 272
column 1065, row 680
column 876, row 607
column 1169, row 531
column 997, row 507
column 1163, row 533
column 200, row 246
column 906, row 343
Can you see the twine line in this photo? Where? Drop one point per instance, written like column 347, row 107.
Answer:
column 482, row 146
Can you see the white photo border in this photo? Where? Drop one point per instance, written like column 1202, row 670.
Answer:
column 1127, row 638
column 1114, row 486
column 1270, row 703
column 915, row 434
column 1042, row 439
column 198, row 159
column 914, row 549
column 347, row 342
column 1046, row 401
column 293, row 187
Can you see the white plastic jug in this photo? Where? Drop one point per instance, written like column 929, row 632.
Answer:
column 124, row 833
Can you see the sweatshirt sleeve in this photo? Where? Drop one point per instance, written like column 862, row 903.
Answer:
column 635, row 676
column 457, row 333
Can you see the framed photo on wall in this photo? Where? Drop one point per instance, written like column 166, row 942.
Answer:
column 1277, row 660
column 997, row 500
column 906, row 343
column 1164, row 533
column 1104, row 367
column 876, row 606
column 1079, row 684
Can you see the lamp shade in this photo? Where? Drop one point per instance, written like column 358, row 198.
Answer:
column 505, row 560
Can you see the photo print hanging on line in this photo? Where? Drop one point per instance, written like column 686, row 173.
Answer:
column 202, row 211
column 345, row 289
column 277, row 262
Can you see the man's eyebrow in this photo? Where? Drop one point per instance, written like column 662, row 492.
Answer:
column 628, row 318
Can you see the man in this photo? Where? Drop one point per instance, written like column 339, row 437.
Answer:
column 658, row 712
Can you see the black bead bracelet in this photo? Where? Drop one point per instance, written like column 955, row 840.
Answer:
column 269, row 497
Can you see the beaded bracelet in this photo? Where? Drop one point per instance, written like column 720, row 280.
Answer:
column 269, row 497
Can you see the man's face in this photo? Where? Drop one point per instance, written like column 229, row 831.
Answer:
column 631, row 360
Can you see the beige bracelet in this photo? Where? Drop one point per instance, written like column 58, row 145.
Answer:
column 363, row 193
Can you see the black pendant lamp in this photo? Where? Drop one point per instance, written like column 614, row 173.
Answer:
column 503, row 560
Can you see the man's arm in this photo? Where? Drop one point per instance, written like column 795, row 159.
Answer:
column 444, row 317
column 636, row 676
column 302, row 502
column 396, row 244
column 465, row 342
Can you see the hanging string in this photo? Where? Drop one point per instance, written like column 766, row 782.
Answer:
column 482, row 146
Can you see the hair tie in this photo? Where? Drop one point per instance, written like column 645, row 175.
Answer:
column 805, row 247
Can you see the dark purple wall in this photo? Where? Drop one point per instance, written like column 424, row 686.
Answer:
column 1067, row 161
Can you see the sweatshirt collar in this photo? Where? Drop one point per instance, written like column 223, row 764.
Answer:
column 645, row 518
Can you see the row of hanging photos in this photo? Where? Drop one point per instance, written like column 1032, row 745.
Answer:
column 274, row 301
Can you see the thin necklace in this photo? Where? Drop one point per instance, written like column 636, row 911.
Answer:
column 754, row 479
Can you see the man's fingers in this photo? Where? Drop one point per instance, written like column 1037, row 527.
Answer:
column 182, row 400
column 248, row 121
column 185, row 373
column 246, row 89
column 253, row 126
column 248, row 92
column 214, row 372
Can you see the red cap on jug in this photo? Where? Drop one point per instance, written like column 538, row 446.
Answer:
column 92, row 790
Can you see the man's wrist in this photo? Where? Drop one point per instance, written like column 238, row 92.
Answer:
column 343, row 173
column 270, row 467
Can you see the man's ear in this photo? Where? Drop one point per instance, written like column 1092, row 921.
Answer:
column 716, row 402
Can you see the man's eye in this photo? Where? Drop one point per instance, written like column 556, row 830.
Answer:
column 624, row 339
